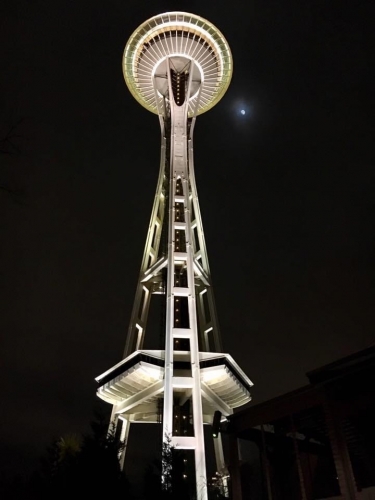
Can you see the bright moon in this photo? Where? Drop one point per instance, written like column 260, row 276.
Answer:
column 243, row 112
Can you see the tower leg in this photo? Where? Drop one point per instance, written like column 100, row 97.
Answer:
column 124, row 439
column 234, row 468
column 219, row 455
column 113, row 421
column 200, row 474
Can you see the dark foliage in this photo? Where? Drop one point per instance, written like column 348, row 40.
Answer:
column 174, row 485
column 76, row 467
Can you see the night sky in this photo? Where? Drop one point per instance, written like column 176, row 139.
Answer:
column 286, row 193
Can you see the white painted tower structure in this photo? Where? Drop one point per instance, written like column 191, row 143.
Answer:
column 177, row 65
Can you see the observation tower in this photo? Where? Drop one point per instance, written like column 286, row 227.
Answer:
column 178, row 66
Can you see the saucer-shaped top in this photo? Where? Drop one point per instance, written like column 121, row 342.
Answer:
column 178, row 36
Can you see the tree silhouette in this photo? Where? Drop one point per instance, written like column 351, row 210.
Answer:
column 77, row 467
column 165, row 478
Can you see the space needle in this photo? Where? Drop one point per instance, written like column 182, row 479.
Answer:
column 177, row 66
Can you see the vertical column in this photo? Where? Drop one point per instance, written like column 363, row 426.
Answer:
column 234, row 468
column 219, row 455
column 340, row 454
column 298, row 459
column 265, row 464
column 113, row 421
column 179, row 172
column 176, row 169
column 168, row 367
column 169, row 355
column 200, row 457
column 124, row 439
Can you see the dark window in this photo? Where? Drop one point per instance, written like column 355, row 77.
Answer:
column 181, row 312
column 179, row 188
column 180, row 276
column 206, row 307
column 196, row 239
column 180, row 240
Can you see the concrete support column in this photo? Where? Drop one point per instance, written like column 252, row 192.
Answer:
column 298, row 460
column 234, row 468
column 266, row 465
column 340, row 454
column 124, row 439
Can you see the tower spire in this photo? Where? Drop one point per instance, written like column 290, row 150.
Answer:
column 178, row 66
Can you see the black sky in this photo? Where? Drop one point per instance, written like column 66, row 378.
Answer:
column 286, row 192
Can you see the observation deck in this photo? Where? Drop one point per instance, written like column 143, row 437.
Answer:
column 135, row 384
column 182, row 38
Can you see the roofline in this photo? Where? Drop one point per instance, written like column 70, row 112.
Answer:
column 273, row 409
